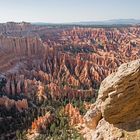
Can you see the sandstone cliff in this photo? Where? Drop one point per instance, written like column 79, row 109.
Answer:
column 13, row 26
column 15, row 50
column 116, row 114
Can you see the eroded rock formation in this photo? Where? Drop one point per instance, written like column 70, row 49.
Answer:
column 73, row 60
column 14, row 27
column 41, row 63
column 41, row 123
column 121, row 90
column 9, row 103
column 116, row 112
column 73, row 114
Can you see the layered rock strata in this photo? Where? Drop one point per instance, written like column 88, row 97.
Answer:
column 116, row 112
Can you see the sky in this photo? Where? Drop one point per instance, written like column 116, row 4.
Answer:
column 64, row 11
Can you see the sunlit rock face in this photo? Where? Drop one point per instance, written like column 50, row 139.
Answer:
column 9, row 103
column 73, row 114
column 14, row 51
column 116, row 112
column 121, row 89
column 41, row 123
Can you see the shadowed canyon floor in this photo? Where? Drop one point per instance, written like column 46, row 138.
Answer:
column 50, row 77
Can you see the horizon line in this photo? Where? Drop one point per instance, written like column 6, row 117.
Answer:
column 71, row 22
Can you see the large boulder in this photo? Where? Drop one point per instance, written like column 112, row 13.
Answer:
column 116, row 113
column 120, row 94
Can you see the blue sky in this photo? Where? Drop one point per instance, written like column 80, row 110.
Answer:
column 58, row 11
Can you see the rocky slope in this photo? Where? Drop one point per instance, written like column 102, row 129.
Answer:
column 116, row 113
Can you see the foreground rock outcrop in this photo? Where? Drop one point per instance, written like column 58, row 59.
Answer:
column 117, row 105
